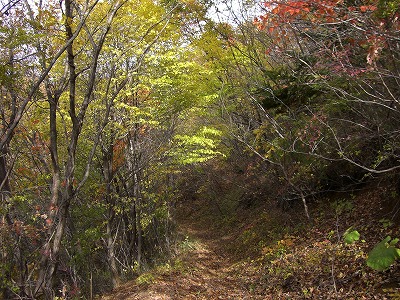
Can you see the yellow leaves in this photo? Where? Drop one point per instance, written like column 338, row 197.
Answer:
column 269, row 152
column 198, row 147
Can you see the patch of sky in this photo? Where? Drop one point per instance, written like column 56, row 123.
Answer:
column 234, row 12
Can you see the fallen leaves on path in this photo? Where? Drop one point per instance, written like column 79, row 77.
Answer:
column 201, row 272
column 268, row 255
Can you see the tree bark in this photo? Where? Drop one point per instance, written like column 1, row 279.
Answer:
column 138, row 200
column 108, row 176
column 7, row 222
column 51, row 251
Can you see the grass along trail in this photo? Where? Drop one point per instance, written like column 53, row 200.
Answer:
column 203, row 269
column 264, row 253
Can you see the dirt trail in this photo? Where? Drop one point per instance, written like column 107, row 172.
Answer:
column 205, row 271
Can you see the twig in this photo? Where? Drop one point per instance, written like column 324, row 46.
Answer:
column 333, row 279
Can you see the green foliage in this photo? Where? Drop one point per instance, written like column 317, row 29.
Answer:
column 145, row 279
column 387, row 8
column 384, row 254
column 197, row 148
column 342, row 206
column 286, row 104
column 386, row 223
column 350, row 236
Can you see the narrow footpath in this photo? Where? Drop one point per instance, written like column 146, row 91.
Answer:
column 203, row 270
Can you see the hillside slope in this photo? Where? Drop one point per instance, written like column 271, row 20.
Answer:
column 262, row 252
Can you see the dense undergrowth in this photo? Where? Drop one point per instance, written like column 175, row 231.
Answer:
column 273, row 249
column 296, row 258
column 312, row 260
column 271, row 138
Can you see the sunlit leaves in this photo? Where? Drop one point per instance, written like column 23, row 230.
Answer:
column 197, row 148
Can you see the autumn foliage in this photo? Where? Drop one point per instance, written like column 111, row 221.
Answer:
column 369, row 25
column 113, row 112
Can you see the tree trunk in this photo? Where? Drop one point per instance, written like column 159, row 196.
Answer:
column 50, row 257
column 137, row 197
column 49, row 260
column 111, row 253
column 42, row 283
column 303, row 199
column 7, row 222
column 4, row 183
column 108, row 175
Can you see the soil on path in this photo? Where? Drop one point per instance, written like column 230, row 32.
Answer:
column 203, row 270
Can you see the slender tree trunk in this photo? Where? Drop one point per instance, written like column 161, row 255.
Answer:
column 108, row 174
column 134, row 165
column 50, row 258
column 53, row 209
column 303, row 199
column 138, row 200
column 133, row 233
column 51, row 251
column 4, row 182
column 68, row 193
column 111, row 253
column 129, row 219
column 5, row 189
column 7, row 221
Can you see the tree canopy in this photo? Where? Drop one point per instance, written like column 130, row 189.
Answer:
column 106, row 106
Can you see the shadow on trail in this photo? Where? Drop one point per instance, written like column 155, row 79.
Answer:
column 203, row 270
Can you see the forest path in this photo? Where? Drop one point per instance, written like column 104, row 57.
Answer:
column 204, row 269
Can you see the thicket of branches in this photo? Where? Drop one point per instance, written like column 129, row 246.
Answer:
column 103, row 102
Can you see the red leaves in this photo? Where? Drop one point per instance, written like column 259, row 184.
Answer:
column 118, row 154
column 366, row 8
column 278, row 13
column 27, row 231
column 286, row 21
column 289, row 10
column 292, row 9
column 268, row 4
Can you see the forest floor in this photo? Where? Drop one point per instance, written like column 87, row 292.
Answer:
column 202, row 269
column 266, row 253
